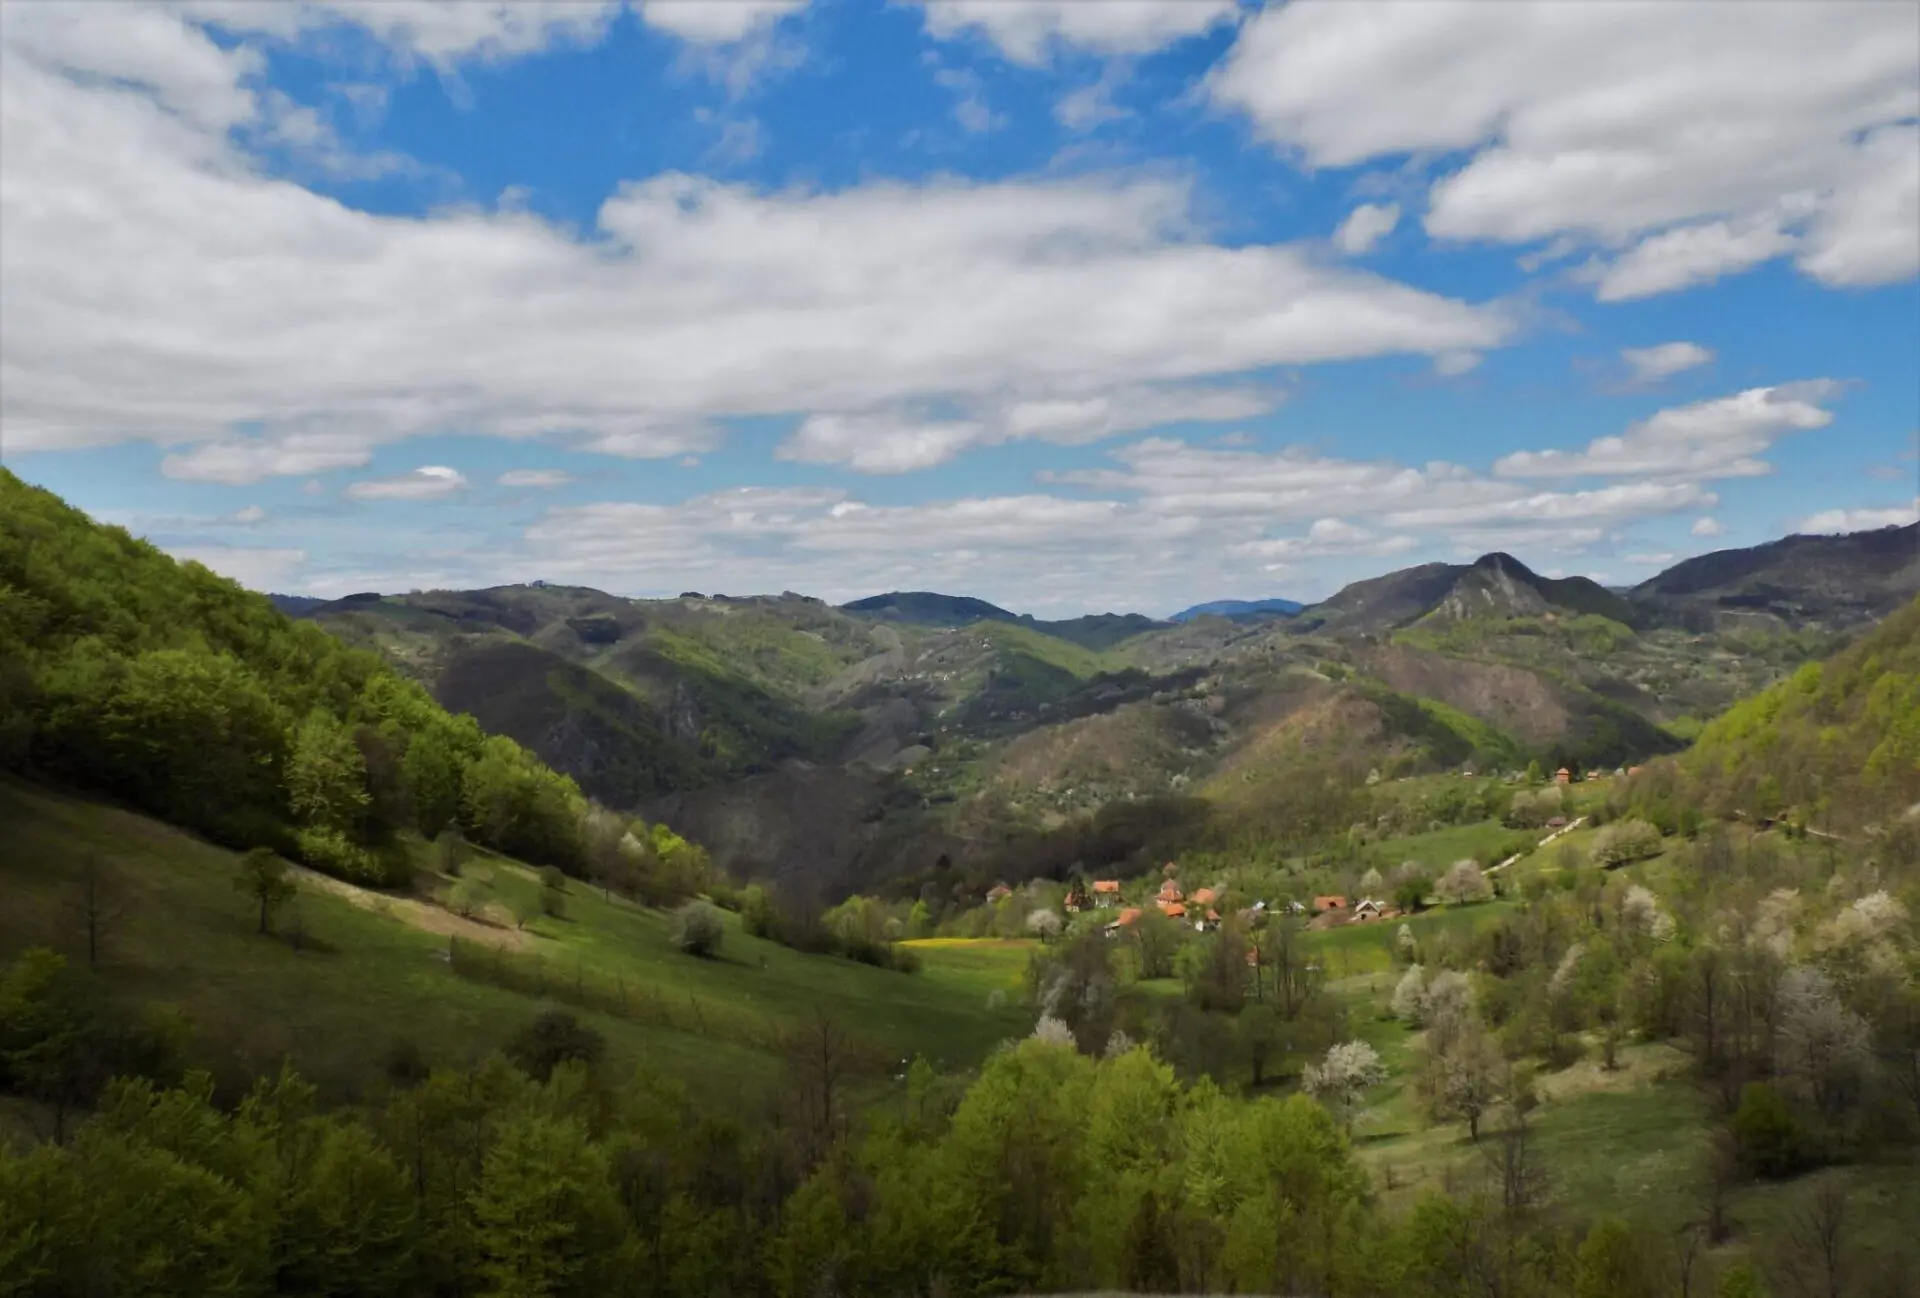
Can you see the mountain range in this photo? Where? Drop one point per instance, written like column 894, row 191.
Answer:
column 837, row 745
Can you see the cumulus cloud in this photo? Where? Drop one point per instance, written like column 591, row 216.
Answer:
column 900, row 442
column 254, row 568
column 1330, row 536
column 250, row 515
column 1706, row 527
column 691, row 302
column 715, row 21
column 1026, row 31
column 1708, row 439
column 1607, row 124
column 1365, row 226
column 1689, row 255
column 428, row 482
column 1652, row 364
column 534, row 478
column 1859, row 520
column 1134, row 534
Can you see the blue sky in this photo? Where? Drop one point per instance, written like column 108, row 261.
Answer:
column 1074, row 306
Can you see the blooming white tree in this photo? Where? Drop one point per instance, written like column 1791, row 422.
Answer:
column 1825, row 1048
column 1370, row 882
column 1054, row 1032
column 1410, row 995
column 1045, row 924
column 1405, row 944
column 1448, row 1000
column 1463, row 882
column 1349, row 1071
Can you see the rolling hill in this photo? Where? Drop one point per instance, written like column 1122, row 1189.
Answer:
column 1494, row 585
column 835, row 747
column 1793, row 582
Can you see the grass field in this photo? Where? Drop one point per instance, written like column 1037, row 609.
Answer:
column 371, row 978
column 1437, row 849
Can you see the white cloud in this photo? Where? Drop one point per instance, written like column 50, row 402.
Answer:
column 1365, row 226
column 1136, row 535
column 878, row 443
column 1651, row 364
column 250, row 515
column 1026, row 30
column 1859, row 520
column 716, row 21
column 428, row 482
column 256, row 569
column 1453, row 364
column 1624, row 501
column 1713, row 131
column 900, row 442
column 238, row 460
column 1689, row 255
column 440, row 32
column 691, row 301
column 1092, row 104
column 1870, row 232
column 534, row 478
column 1706, row 527
column 1722, row 438
column 1658, row 559
column 970, row 108
column 1330, row 536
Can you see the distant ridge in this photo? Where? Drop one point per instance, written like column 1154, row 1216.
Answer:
column 1238, row 609
column 1494, row 585
column 929, row 608
column 1855, row 577
column 297, row 605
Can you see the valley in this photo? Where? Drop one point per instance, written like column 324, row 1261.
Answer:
column 1521, row 928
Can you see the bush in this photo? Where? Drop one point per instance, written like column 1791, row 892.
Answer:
column 698, row 929
column 331, row 852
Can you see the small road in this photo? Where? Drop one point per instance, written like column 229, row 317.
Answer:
column 1567, row 828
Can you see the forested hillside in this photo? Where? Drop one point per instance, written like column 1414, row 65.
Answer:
column 177, row 692
column 1837, row 738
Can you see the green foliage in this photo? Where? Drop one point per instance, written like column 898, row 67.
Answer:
column 1768, row 1135
column 176, row 691
column 555, row 1037
column 263, row 879
column 1841, row 735
column 1624, row 842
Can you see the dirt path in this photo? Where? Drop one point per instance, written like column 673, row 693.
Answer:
column 1567, row 828
column 410, row 910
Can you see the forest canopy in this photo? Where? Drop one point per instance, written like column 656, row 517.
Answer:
column 174, row 690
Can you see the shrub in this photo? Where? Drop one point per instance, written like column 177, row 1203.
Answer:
column 331, row 852
column 1769, row 1138
column 554, row 1037
column 697, row 928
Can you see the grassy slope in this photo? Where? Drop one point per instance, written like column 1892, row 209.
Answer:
column 187, row 941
